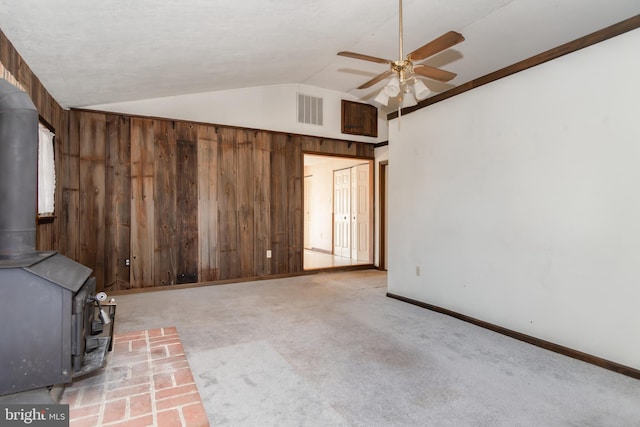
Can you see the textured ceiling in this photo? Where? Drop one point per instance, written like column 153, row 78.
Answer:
column 90, row 52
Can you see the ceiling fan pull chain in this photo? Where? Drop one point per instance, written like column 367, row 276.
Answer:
column 400, row 33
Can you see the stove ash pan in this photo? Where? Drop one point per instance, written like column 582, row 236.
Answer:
column 50, row 330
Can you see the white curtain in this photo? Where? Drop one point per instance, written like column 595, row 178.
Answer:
column 46, row 171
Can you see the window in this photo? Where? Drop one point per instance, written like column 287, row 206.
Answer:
column 46, row 172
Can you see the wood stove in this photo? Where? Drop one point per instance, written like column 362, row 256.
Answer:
column 49, row 333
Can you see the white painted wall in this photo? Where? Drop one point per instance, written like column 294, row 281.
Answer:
column 269, row 107
column 520, row 202
column 321, row 201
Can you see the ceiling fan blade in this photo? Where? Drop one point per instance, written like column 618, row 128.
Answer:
column 433, row 73
column 443, row 42
column 376, row 79
column 365, row 57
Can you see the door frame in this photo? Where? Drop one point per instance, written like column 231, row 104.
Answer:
column 372, row 206
column 382, row 182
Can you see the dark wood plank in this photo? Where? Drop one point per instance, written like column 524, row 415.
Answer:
column 294, row 168
column 187, row 202
column 25, row 77
column 8, row 55
column 244, row 200
column 69, row 184
column 164, row 204
column 365, row 151
column 337, row 147
column 117, row 203
column 229, row 266
column 207, row 199
column 40, row 97
column 142, row 204
column 261, row 203
column 279, row 207
column 4, row 52
column 45, row 235
column 92, row 194
column 61, row 140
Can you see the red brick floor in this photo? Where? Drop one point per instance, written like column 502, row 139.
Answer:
column 146, row 382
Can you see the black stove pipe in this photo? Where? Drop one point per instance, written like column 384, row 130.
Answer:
column 18, row 172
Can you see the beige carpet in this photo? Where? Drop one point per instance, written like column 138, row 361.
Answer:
column 332, row 350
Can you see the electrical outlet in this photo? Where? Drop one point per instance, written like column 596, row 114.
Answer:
column 127, row 262
column 268, row 253
column 417, row 270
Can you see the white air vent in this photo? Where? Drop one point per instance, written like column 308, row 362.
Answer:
column 309, row 109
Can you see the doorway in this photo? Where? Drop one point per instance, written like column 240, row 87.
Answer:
column 338, row 211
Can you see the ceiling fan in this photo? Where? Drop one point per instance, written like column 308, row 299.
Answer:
column 403, row 73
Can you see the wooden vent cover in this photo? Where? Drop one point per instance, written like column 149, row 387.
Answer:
column 359, row 119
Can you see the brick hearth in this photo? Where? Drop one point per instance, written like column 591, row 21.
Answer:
column 146, row 382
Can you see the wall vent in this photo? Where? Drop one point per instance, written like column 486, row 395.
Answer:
column 309, row 109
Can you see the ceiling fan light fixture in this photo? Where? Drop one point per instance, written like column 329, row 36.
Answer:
column 402, row 84
column 408, row 100
column 392, row 88
column 421, row 90
column 382, row 98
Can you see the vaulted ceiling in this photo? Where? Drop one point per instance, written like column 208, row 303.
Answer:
column 95, row 52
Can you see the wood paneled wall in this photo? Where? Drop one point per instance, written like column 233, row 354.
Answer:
column 185, row 202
